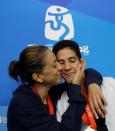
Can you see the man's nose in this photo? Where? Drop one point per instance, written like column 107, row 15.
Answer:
column 67, row 65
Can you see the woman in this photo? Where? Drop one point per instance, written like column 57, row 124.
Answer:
column 33, row 106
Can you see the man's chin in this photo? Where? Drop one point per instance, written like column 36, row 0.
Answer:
column 68, row 80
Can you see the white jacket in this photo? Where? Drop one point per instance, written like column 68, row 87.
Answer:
column 108, row 88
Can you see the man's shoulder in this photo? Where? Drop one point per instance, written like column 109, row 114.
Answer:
column 57, row 90
column 60, row 87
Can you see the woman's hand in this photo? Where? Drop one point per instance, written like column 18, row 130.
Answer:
column 97, row 101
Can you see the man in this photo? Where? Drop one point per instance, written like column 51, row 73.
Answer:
column 68, row 55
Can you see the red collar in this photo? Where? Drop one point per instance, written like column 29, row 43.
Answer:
column 49, row 101
column 87, row 116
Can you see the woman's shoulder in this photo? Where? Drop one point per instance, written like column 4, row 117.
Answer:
column 24, row 96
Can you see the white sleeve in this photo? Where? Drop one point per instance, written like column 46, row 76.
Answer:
column 62, row 106
column 108, row 88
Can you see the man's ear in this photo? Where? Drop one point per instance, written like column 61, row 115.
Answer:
column 37, row 77
column 83, row 62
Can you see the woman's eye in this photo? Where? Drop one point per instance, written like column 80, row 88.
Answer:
column 54, row 66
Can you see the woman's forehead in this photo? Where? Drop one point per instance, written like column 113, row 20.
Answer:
column 50, row 57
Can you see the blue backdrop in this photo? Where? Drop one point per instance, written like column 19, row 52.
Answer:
column 27, row 22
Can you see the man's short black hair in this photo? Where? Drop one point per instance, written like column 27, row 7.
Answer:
column 67, row 44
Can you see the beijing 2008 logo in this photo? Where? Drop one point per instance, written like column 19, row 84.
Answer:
column 58, row 23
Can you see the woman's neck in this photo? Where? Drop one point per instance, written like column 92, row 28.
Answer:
column 43, row 92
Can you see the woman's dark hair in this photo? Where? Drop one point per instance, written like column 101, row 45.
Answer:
column 67, row 44
column 31, row 61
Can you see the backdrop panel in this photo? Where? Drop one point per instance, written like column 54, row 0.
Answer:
column 28, row 22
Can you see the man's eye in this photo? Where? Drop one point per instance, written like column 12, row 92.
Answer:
column 72, row 60
column 60, row 62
